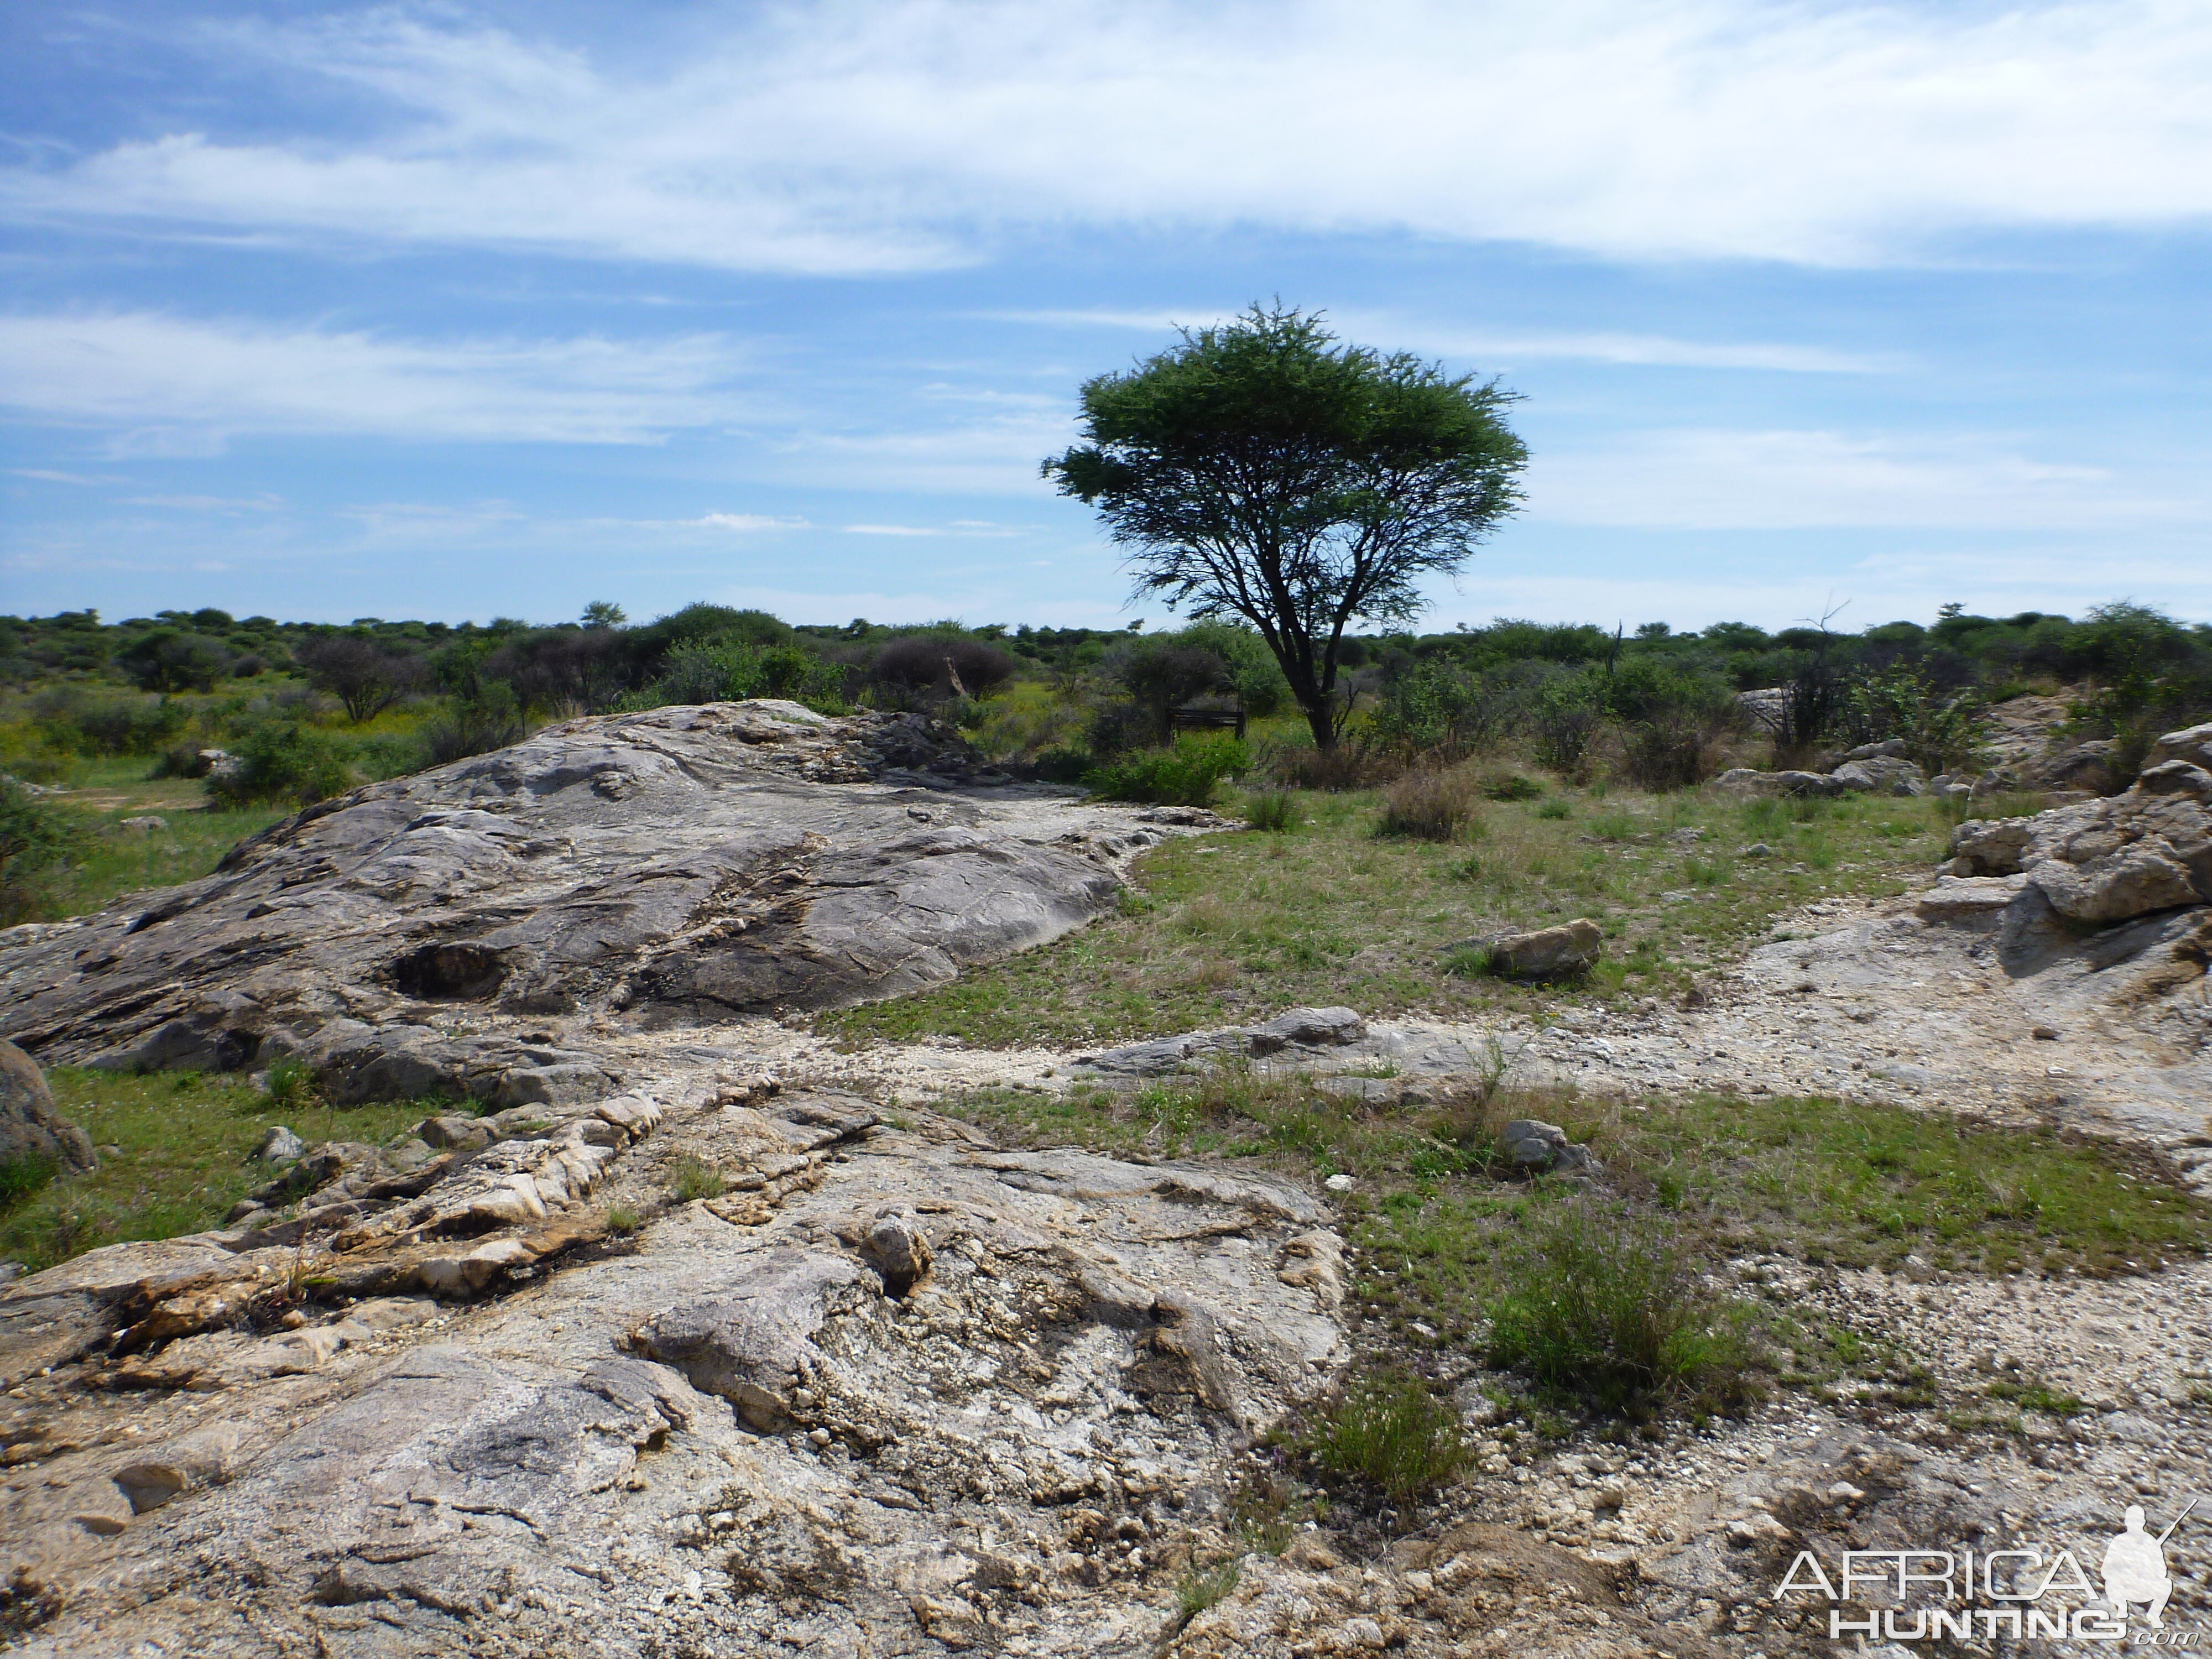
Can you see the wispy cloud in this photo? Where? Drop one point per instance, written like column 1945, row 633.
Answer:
column 229, row 504
column 745, row 522
column 1776, row 480
column 45, row 475
column 167, row 385
column 913, row 135
column 1456, row 340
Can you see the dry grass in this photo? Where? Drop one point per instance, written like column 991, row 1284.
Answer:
column 1438, row 806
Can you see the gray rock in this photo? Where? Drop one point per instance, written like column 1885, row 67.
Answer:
column 149, row 822
column 1301, row 1028
column 1538, row 1147
column 1748, row 782
column 1309, row 1028
column 679, row 867
column 30, row 1128
column 281, row 1146
column 1968, row 900
column 1881, row 774
column 1807, row 783
column 1893, row 748
column 2193, row 744
column 2106, row 859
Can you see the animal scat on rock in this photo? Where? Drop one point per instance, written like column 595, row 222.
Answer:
column 757, row 857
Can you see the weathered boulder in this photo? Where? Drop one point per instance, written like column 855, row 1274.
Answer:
column 30, row 1128
column 2103, row 860
column 1880, row 773
column 1547, row 952
column 1807, row 783
column 2193, row 745
column 1538, row 1147
column 674, row 867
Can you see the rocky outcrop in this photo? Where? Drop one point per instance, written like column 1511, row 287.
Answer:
column 677, row 867
column 894, row 1390
column 31, row 1131
column 2106, row 860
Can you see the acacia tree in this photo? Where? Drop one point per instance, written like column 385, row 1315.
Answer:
column 1264, row 469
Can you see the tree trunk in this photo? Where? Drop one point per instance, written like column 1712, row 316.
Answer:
column 1320, row 716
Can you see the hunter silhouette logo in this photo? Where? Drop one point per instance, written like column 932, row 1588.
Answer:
column 2025, row 1593
column 2134, row 1566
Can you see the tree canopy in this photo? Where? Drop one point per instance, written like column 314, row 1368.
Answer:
column 1263, row 468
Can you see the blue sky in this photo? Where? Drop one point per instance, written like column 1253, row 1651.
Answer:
column 452, row 310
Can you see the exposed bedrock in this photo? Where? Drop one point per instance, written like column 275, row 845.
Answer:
column 895, row 1391
column 679, row 867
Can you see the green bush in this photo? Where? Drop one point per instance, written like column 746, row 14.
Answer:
column 1511, row 785
column 284, row 761
column 1276, row 810
column 172, row 659
column 109, row 725
column 474, row 725
column 1605, row 1304
column 1062, row 765
column 732, row 671
column 33, row 837
column 1390, row 1432
column 1184, row 775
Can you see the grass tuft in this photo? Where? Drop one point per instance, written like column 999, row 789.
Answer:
column 693, row 1178
column 1387, row 1431
column 1437, row 806
column 1201, row 1588
column 1276, row 811
column 1605, row 1304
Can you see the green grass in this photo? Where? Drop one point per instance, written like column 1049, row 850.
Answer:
column 1603, row 1300
column 693, row 1178
column 182, row 1154
column 114, row 861
column 1387, row 1431
column 1223, row 928
column 1443, row 1240
column 1203, row 1587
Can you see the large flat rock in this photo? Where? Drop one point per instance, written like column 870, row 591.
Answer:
column 680, row 866
column 734, row 1432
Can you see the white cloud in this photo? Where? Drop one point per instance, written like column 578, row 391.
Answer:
column 745, row 522
column 170, row 386
column 1392, row 330
column 997, row 457
column 1720, row 480
column 837, row 137
column 225, row 504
